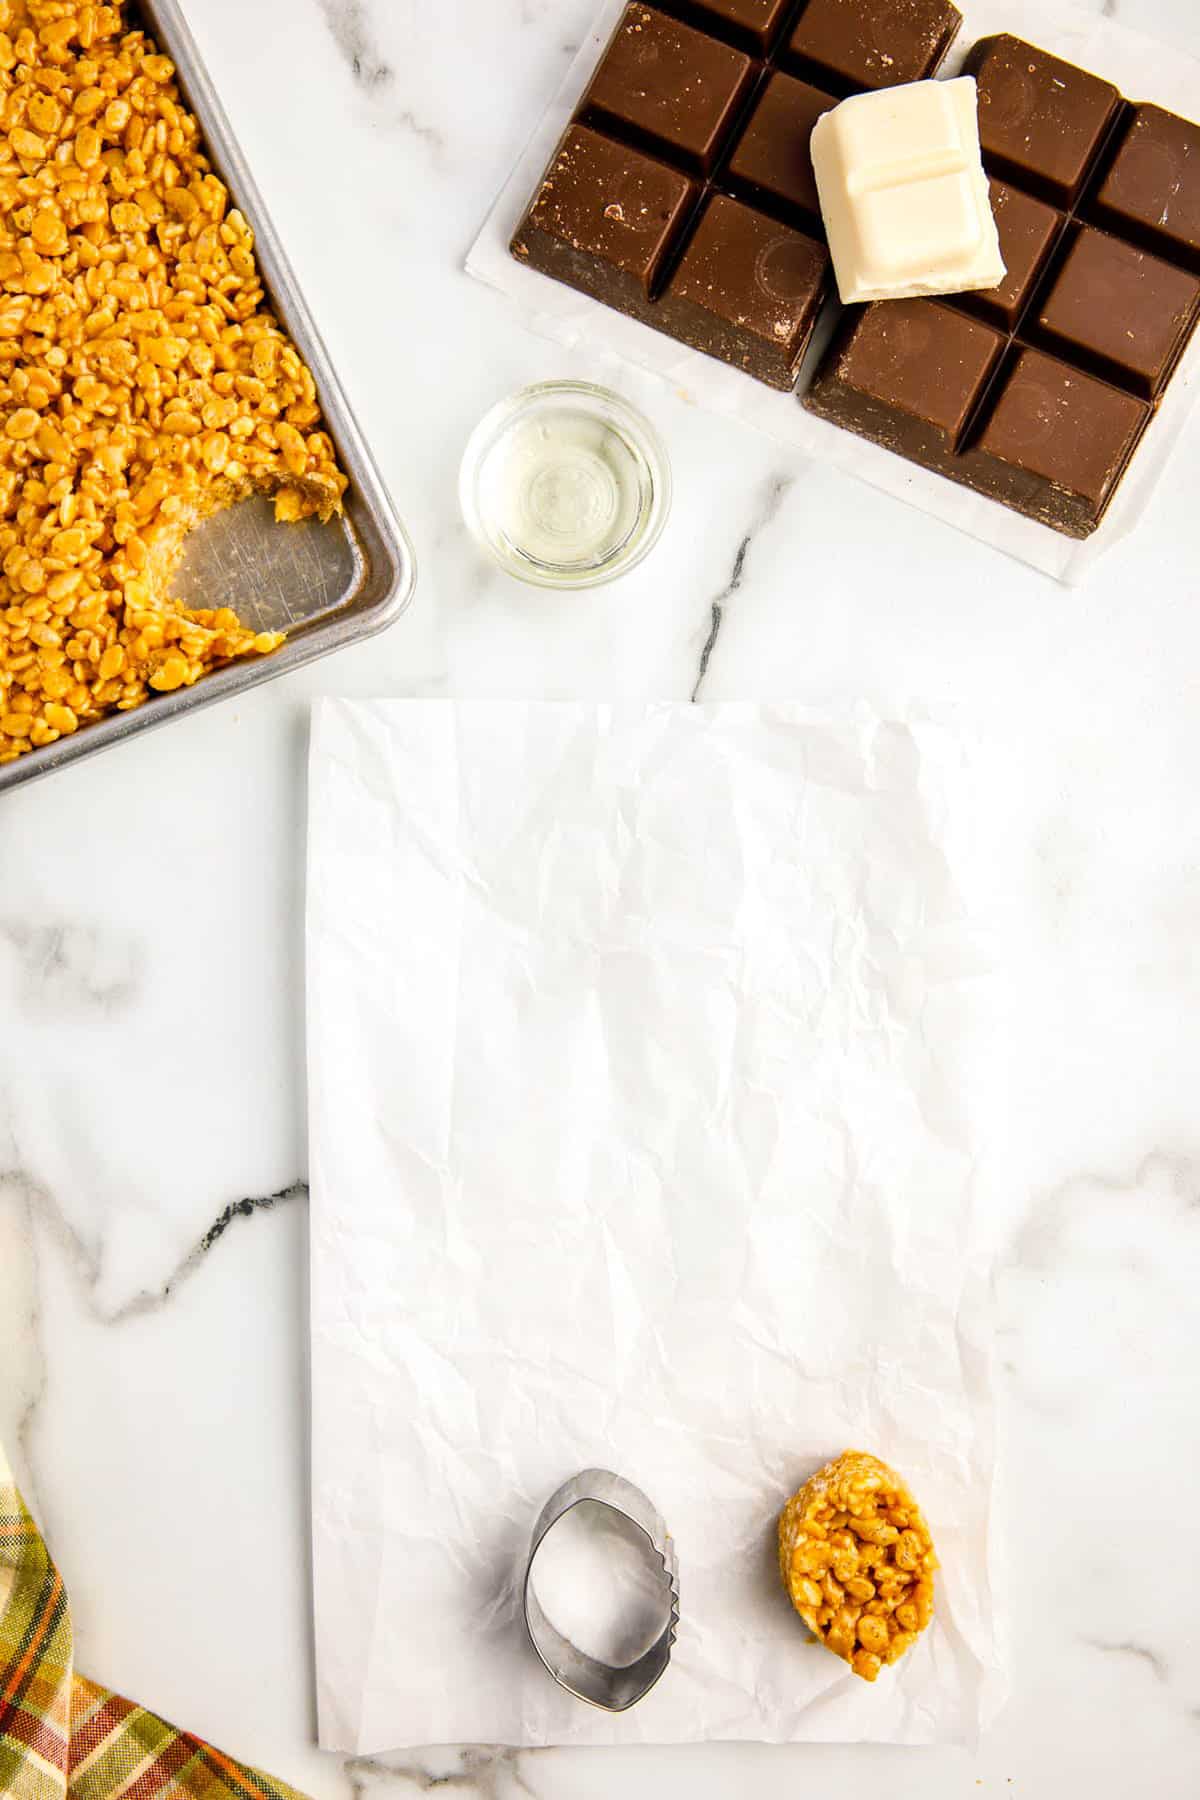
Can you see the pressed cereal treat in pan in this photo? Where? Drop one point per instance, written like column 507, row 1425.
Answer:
column 144, row 382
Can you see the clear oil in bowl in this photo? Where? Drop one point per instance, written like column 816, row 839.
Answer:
column 566, row 485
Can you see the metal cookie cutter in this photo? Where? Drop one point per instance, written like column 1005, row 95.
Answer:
column 600, row 1683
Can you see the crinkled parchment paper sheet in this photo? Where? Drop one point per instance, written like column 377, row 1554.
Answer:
column 649, row 1081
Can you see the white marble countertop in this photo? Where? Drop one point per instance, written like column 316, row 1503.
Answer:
column 152, row 1201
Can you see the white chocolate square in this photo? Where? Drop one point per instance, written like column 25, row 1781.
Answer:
column 904, row 195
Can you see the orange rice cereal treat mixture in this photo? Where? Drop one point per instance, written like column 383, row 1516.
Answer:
column 857, row 1559
column 143, row 382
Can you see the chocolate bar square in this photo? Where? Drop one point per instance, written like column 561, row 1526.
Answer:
column 849, row 45
column 1042, row 121
column 605, row 219
column 676, row 90
column 1029, row 230
column 752, row 23
column 772, row 161
column 1057, row 442
column 1120, row 311
column 1151, row 193
column 747, row 290
column 910, row 374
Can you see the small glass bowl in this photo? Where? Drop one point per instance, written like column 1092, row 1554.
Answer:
column 565, row 484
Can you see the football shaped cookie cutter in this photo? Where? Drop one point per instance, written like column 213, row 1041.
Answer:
column 599, row 1683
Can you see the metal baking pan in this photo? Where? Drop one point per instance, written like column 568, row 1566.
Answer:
column 326, row 585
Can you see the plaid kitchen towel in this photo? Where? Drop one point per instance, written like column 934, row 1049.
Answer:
column 62, row 1735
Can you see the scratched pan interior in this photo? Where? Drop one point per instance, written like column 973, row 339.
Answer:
column 326, row 585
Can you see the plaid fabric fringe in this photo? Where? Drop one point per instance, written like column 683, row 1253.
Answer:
column 61, row 1735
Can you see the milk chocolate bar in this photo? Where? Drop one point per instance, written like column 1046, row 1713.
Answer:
column 1038, row 393
column 682, row 192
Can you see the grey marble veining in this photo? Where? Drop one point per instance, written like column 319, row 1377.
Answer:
column 69, row 969
column 773, row 498
column 352, row 31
